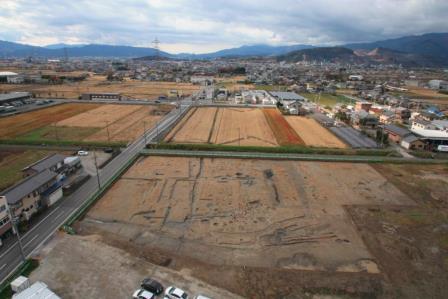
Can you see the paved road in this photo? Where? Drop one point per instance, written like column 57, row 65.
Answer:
column 10, row 257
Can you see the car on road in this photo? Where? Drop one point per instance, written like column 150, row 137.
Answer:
column 83, row 153
column 152, row 286
column 175, row 293
column 143, row 294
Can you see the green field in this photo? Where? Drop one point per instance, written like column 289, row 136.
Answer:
column 327, row 99
column 50, row 133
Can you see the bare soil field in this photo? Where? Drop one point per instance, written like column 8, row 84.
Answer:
column 411, row 240
column 288, row 218
column 313, row 134
column 99, row 84
column 230, row 126
column 17, row 125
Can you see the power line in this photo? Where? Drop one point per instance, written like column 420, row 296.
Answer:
column 156, row 46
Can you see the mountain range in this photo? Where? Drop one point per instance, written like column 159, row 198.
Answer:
column 423, row 50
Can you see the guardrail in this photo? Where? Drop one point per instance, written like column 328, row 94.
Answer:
column 292, row 157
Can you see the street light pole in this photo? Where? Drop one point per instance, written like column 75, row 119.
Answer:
column 144, row 131
column 97, row 172
column 107, row 128
column 16, row 230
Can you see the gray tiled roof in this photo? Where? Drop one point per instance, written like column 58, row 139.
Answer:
column 287, row 96
column 13, row 96
column 410, row 138
column 397, row 130
column 27, row 186
column 46, row 162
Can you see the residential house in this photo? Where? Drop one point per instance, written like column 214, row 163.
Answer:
column 412, row 142
column 53, row 162
column 5, row 222
column 364, row 119
column 363, row 106
column 396, row 133
column 388, row 117
column 25, row 198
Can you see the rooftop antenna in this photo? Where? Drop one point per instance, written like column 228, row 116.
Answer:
column 156, row 47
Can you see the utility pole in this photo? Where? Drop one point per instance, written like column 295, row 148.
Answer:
column 144, row 131
column 97, row 172
column 107, row 128
column 56, row 132
column 15, row 230
column 239, row 136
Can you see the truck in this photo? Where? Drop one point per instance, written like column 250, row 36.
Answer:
column 442, row 148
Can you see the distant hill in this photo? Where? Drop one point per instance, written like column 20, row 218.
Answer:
column 249, row 51
column 425, row 50
column 433, row 46
column 62, row 46
column 15, row 50
column 330, row 54
column 375, row 56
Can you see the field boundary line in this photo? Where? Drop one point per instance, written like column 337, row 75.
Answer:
column 291, row 157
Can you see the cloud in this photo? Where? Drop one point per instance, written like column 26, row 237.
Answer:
column 203, row 25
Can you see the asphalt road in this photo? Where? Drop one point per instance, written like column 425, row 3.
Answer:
column 10, row 257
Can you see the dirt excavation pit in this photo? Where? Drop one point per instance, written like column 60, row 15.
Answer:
column 255, row 213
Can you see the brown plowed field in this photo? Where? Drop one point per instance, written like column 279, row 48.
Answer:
column 284, row 133
column 17, row 125
column 230, row 126
column 99, row 117
column 313, row 134
column 132, row 125
column 84, row 122
column 196, row 128
column 118, row 122
column 99, row 84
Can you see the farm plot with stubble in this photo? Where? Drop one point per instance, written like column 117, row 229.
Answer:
column 82, row 122
column 260, row 214
column 313, row 134
column 234, row 126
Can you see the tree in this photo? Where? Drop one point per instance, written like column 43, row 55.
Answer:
column 382, row 137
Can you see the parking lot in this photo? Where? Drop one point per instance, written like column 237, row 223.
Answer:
column 353, row 137
column 85, row 267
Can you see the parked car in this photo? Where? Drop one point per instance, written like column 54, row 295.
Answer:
column 175, row 293
column 143, row 294
column 83, row 153
column 109, row 150
column 201, row 297
column 152, row 286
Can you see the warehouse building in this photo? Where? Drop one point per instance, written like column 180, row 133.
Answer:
column 101, row 96
column 10, row 77
column 10, row 99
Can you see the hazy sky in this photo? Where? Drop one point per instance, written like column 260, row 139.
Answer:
column 206, row 25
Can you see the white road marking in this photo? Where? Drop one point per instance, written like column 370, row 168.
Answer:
column 4, row 265
column 32, row 239
column 55, row 218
